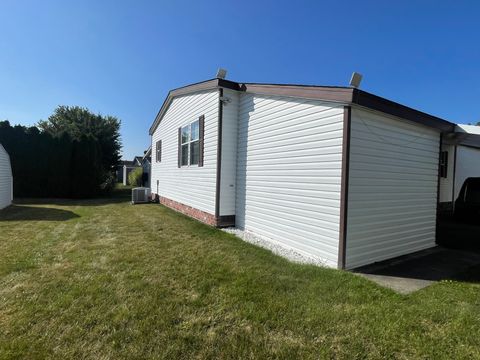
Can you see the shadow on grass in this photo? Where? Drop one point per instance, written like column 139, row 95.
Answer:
column 118, row 195
column 32, row 213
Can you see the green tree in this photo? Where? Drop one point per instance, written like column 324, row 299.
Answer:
column 135, row 177
column 80, row 123
column 96, row 149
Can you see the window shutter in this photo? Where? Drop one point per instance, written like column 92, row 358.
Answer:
column 179, row 147
column 201, row 135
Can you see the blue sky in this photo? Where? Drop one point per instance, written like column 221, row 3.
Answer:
column 121, row 57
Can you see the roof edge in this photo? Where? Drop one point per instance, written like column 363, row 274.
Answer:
column 345, row 95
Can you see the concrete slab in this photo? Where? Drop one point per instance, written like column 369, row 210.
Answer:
column 412, row 272
column 401, row 285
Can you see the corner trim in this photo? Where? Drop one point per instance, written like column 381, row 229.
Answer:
column 219, row 152
column 342, row 247
column 453, row 177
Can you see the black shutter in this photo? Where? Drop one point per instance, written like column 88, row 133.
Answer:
column 201, row 136
column 179, row 147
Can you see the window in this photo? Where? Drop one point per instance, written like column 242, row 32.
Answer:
column 190, row 144
column 159, row 151
column 443, row 164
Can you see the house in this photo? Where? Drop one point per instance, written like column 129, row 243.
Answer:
column 6, row 179
column 334, row 173
column 460, row 159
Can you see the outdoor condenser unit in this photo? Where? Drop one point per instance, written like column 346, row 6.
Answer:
column 140, row 195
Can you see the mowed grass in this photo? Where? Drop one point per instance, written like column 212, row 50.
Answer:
column 102, row 279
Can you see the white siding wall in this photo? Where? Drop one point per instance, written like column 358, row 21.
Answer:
column 446, row 184
column 6, row 181
column 193, row 186
column 289, row 173
column 392, row 188
column 229, row 153
column 468, row 165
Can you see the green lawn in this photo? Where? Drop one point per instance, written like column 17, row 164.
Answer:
column 102, row 279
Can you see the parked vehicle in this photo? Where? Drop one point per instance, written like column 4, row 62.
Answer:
column 467, row 205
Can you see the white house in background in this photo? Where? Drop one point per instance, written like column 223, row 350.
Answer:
column 6, row 179
column 333, row 173
column 461, row 158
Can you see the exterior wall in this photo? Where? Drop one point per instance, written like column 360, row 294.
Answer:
column 229, row 153
column 6, row 180
column 446, row 184
column 289, row 173
column 192, row 186
column 393, row 181
column 468, row 165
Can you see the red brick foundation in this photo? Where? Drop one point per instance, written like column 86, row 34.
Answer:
column 209, row 219
column 189, row 211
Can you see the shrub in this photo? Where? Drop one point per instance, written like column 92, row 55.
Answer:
column 135, row 177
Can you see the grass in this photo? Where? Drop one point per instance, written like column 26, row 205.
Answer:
column 102, row 279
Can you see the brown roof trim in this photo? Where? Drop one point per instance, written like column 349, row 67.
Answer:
column 345, row 95
column 338, row 94
column 378, row 103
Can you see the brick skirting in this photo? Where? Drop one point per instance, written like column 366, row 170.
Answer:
column 222, row 221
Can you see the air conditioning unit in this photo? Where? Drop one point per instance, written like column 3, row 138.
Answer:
column 140, row 195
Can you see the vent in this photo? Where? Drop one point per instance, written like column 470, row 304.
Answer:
column 140, row 195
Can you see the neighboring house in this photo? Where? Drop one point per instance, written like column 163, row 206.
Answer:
column 119, row 171
column 146, row 165
column 6, row 179
column 460, row 159
column 334, row 173
column 125, row 167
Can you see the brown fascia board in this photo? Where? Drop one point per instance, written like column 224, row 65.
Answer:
column 328, row 93
column 374, row 102
column 344, row 95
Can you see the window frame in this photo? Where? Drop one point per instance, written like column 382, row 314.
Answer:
column 158, row 151
column 188, row 143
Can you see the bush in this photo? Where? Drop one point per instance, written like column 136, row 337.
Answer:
column 135, row 177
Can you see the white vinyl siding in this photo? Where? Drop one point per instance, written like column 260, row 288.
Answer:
column 446, row 184
column 190, row 185
column 392, row 198
column 468, row 165
column 229, row 153
column 6, row 181
column 289, row 173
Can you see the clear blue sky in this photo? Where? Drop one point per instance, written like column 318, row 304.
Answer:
column 121, row 57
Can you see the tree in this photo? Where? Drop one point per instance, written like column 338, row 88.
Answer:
column 72, row 154
column 96, row 149
column 80, row 123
